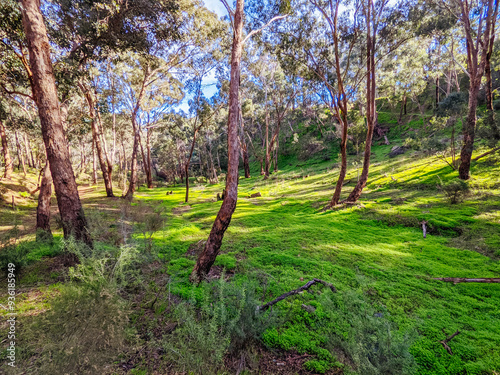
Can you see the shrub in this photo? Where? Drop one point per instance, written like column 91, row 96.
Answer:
column 455, row 190
column 87, row 326
column 15, row 254
column 148, row 221
column 226, row 321
column 368, row 337
column 83, row 332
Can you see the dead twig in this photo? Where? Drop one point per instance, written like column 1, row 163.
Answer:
column 446, row 340
column 297, row 291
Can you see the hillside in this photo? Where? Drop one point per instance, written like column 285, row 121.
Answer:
column 387, row 316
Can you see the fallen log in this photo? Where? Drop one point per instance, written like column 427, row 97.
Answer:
column 446, row 340
column 456, row 280
column 486, row 154
column 297, row 291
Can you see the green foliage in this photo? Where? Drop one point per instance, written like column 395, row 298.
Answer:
column 369, row 337
column 225, row 320
column 15, row 254
column 148, row 221
column 102, row 267
column 83, row 332
column 455, row 190
column 454, row 105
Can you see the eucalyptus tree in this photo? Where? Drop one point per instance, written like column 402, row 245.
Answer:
column 45, row 95
column 207, row 257
column 326, row 49
column 477, row 19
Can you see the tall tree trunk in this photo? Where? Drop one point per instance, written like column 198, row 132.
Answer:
column 133, row 165
column 213, row 244
column 20, row 155
column 94, row 163
column 477, row 53
column 276, row 149
column 136, row 129
column 43, row 231
column 371, row 111
column 97, row 137
column 243, row 147
column 29, row 153
column 266, row 157
column 437, row 92
column 6, row 153
column 149, row 165
column 44, row 90
column 188, row 161
column 343, row 162
column 469, row 132
column 146, row 164
column 214, row 171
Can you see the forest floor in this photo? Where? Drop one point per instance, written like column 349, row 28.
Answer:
column 387, row 316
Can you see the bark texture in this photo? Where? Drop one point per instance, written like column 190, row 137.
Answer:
column 213, row 244
column 45, row 94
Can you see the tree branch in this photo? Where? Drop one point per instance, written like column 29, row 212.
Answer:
column 296, row 291
column 253, row 32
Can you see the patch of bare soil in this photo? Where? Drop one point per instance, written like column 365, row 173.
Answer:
column 181, row 210
column 264, row 361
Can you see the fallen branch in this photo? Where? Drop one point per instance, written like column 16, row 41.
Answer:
column 296, row 291
column 486, row 154
column 446, row 340
column 456, row 280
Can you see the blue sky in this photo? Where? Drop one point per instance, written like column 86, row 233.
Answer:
column 210, row 81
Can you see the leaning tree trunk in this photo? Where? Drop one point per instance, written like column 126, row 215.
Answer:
column 6, row 153
column 371, row 113
column 43, row 232
column 213, row 244
column 44, row 91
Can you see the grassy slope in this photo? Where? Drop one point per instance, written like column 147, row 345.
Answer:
column 375, row 249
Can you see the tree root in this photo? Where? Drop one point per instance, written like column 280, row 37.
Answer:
column 297, row 291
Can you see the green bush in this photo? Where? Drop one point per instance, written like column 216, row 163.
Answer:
column 15, row 254
column 225, row 321
column 455, row 190
column 83, row 332
column 86, row 327
column 368, row 336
